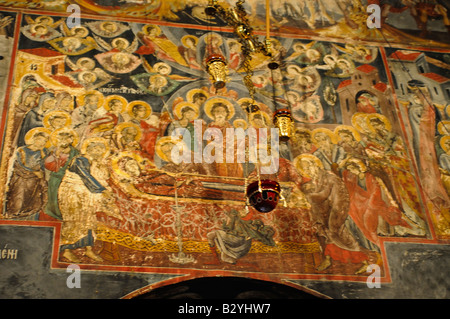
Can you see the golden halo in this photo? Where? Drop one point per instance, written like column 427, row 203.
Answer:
column 245, row 100
column 116, row 160
column 333, row 137
column 309, row 158
column 115, row 97
column 444, row 127
column 442, row 143
column 33, row 28
column 91, row 140
column 383, row 118
column 267, row 118
column 357, row 162
column 355, row 133
column 152, row 79
column 209, row 104
column 297, row 96
column 81, row 75
column 31, row 133
column 74, row 134
column 300, row 130
column 298, row 71
column 191, row 93
column 148, row 108
column 86, row 31
column 159, row 64
column 359, row 122
column 193, row 37
column 240, row 123
column 180, row 106
column 114, row 42
column 51, row 114
column 102, row 26
column 116, row 57
column 80, row 61
column 119, row 128
column 67, row 40
column 39, row 19
column 168, row 139
column 81, row 98
column 146, row 28
column 212, row 35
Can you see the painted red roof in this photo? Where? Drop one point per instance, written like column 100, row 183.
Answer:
column 436, row 77
column 366, row 68
column 42, row 52
column 67, row 81
column 380, row 86
column 344, row 83
column 405, row 55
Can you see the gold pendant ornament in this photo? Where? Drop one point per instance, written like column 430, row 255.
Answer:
column 216, row 66
column 282, row 119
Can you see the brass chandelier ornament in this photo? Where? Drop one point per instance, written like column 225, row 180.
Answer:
column 282, row 119
column 216, row 66
column 263, row 195
column 237, row 19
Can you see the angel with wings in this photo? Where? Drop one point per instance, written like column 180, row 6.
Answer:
column 304, row 80
column 41, row 29
column 308, row 54
column 76, row 41
column 358, row 53
column 156, row 43
column 118, row 56
column 107, row 29
column 85, row 72
column 158, row 80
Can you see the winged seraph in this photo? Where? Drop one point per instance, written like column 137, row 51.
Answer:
column 156, row 43
column 75, row 41
column 358, row 53
column 85, row 72
column 117, row 45
column 107, row 29
column 165, row 70
column 41, row 29
column 118, row 62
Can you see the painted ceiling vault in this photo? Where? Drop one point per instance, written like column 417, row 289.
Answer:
column 89, row 121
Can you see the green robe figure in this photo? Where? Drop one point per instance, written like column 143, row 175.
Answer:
column 57, row 162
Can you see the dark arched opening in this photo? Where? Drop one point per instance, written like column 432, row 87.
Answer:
column 226, row 288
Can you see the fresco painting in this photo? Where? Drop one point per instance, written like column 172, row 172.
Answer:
column 88, row 142
column 407, row 22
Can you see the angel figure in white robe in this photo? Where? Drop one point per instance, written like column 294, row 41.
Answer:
column 358, row 53
column 117, row 56
column 158, row 79
column 41, row 29
column 75, row 41
column 107, row 29
column 85, row 72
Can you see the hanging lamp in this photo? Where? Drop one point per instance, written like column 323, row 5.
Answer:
column 264, row 194
column 282, row 119
column 216, row 66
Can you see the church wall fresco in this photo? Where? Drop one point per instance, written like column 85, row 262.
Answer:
column 406, row 22
column 86, row 149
